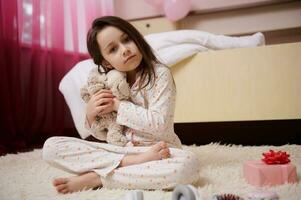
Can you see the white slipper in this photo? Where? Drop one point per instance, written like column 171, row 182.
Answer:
column 185, row 192
column 134, row 195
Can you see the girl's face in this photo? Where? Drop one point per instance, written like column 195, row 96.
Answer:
column 118, row 50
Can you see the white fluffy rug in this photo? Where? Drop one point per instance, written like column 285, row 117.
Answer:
column 25, row 175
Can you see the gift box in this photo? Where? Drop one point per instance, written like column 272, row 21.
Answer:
column 260, row 174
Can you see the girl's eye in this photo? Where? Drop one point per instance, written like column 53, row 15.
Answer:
column 112, row 50
column 127, row 39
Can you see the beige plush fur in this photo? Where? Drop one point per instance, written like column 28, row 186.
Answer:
column 105, row 126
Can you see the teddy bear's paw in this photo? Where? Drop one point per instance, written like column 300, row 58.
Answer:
column 100, row 135
column 116, row 139
column 123, row 139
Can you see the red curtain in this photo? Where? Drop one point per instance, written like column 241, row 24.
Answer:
column 40, row 41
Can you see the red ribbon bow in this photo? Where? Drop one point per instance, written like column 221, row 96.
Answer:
column 276, row 157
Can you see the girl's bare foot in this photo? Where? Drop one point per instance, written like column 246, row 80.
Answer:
column 156, row 152
column 77, row 183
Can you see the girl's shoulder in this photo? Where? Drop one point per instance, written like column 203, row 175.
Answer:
column 161, row 69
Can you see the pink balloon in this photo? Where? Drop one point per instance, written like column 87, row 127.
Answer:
column 176, row 9
column 155, row 3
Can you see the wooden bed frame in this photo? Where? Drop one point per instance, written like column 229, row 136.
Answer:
column 241, row 96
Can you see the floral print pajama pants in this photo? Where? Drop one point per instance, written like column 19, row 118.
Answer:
column 79, row 156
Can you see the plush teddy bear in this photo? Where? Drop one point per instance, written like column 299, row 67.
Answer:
column 105, row 126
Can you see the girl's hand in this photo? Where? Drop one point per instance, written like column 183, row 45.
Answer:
column 99, row 104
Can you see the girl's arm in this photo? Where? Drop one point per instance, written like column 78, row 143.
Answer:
column 158, row 116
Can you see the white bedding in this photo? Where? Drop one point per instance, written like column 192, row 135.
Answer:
column 173, row 46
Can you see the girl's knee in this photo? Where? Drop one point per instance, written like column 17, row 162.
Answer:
column 50, row 150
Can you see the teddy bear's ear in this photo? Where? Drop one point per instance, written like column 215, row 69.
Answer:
column 102, row 78
column 114, row 77
column 93, row 72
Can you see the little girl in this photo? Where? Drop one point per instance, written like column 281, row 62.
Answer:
column 155, row 160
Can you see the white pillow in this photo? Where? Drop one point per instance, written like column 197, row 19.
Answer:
column 70, row 87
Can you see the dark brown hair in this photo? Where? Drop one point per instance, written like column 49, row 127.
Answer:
column 146, row 67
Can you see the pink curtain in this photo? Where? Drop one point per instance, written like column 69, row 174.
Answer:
column 40, row 41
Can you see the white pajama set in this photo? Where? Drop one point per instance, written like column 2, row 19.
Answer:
column 148, row 118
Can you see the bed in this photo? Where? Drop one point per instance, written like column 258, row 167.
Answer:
column 262, row 83
column 257, row 91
